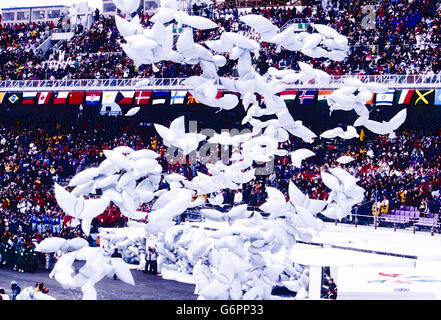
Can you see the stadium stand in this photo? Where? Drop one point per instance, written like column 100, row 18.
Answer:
column 404, row 42
column 43, row 143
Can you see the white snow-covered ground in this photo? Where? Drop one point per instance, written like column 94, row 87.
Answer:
column 381, row 283
column 421, row 244
column 402, row 242
column 177, row 276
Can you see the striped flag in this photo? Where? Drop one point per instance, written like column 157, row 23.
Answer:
column 142, row 97
column 323, row 95
column 405, row 96
column 29, row 97
column 385, row 99
column 288, row 95
column 44, row 97
column 306, row 96
column 93, row 98
column 125, row 97
column 160, row 97
column 61, row 97
column 76, row 97
column 177, row 97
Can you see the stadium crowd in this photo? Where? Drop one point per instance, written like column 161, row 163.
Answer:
column 405, row 171
column 404, row 41
column 17, row 60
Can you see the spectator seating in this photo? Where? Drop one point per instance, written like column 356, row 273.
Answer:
column 402, row 43
column 406, row 216
column 431, row 221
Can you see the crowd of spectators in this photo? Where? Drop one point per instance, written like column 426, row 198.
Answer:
column 32, row 160
column 17, row 60
column 403, row 41
column 405, row 171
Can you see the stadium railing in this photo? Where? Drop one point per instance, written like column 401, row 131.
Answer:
column 392, row 81
column 394, row 220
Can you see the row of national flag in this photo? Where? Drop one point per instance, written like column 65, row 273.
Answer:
column 409, row 97
column 389, row 98
column 308, row 96
column 91, row 98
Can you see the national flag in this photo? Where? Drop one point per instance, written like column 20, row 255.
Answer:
column 323, row 95
column 437, row 101
column 405, row 96
column 93, row 98
column 424, row 97
column 29, row 97
column 385, row 99
column 191, row 99
column 44, row 97
column 13, row 98
column 178, row 97
column 61, row 97
column 110, row 97
column 142, row 97
column 160, row 97
column 2, row 97
column 76, row 97
column 306, row 96
column 288, row 95
column 125, row 97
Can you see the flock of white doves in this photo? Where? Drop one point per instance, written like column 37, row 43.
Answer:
column 243, row 258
